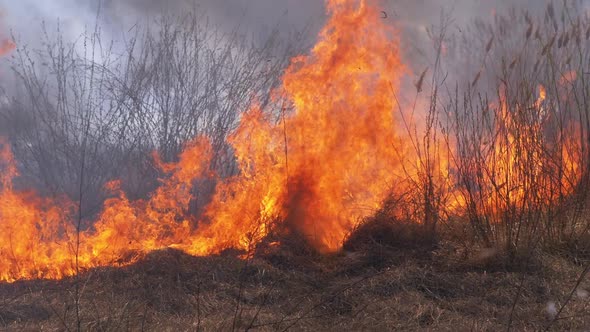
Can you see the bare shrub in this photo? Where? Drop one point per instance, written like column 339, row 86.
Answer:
column 521, row 154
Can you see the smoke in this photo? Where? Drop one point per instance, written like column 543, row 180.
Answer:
column 255, row 17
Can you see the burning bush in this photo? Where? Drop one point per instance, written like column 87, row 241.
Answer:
column 320, row 152
column 521, row 157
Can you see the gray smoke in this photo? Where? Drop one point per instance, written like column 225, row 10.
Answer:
column 255, row 17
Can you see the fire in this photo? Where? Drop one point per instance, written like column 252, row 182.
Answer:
column 568, row 77
column 333, row 159
column 6, row 46
column 327, row 165
column 521, row 167
column 336, row 153
column 38, row 237
column 542, row 95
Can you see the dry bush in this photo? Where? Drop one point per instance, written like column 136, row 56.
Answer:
column 386, row 232
column 521, row 160
column 85, row 112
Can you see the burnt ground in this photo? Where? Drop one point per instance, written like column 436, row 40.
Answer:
column 439, row 288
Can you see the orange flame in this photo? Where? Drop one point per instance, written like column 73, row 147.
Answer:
column 568, row 77
column 6, row 46
column 333, row 157
column 521, row 168
column 38, row 237
column 328, row 164
column 331, row 162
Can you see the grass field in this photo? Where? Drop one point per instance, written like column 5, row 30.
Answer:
column 197, row 184
column 390, row 287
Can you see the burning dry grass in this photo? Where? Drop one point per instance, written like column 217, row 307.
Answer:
column 464, row 246
column 326, row 151
column 170, row 290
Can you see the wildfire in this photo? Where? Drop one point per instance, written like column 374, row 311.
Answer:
column 336, row 154
column 6, row 46
column 328, row 165
column 568, row 77
column 522, row 169
column 38, row 237
column 340, row 153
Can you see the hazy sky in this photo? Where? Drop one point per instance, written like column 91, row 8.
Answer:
column 23, row 17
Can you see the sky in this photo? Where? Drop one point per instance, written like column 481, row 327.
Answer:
column 23, row 17
column 255, row 18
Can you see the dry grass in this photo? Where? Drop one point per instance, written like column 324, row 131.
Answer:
column 487, row 271
column 441, row 289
